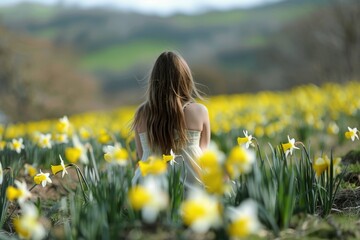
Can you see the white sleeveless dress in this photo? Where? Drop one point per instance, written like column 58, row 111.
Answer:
column 186, row 157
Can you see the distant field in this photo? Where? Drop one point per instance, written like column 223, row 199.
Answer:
column 122, row 57
column 233, row 17
column 28, row 11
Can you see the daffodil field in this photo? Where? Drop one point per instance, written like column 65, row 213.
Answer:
column 274, row 157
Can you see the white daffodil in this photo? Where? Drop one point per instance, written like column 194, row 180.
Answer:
column 83, row 152
column 20, row 193
column 28, row 225
column 243, row 220
column 58, row 168
column 170, row 158
column 240, row 161
column 17, row 145
column 42, row 178
column 247, row 140
column 149, row 198
column 44, row 140
column 116, row 154
column 352, row 133
column 289, row 147
column 200, row 211
column 63, row 125
column 61, row 138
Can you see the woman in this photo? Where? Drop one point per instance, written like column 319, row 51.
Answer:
column 170, row 119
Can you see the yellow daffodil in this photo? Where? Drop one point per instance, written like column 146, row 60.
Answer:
column 214, row 181
column 289, row 146
column 1, row 174
column 352, row 134
column 59, row 168
column 240, row 161
column 30, row 170
column 208, row 160
column 20, row 193
column 200, row 211
column 243, row 220
column 81, row 148
column 212, row 174
column 149, row 198
column 155, row 166
column 44, row 140
column 104, row 137
column 72, row 154
column 116, row 154
column 170, row 158
column 42, row 178
column 2, row 145
column 84, row 133
column 61, row 138
column 17, row 145
column 247, row 140
column 63, row 125
column 28, row 225
column 333, row 128
column 138, row 196
column 321, row 164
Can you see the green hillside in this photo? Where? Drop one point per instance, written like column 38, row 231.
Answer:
column 114, row 43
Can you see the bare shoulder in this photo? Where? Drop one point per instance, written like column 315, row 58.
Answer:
column 197, row 108
column 196, row 114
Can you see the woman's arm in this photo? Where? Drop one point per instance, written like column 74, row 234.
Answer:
column 139, row 150
column 206, row 132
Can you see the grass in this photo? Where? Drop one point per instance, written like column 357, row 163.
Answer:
column 123, row 57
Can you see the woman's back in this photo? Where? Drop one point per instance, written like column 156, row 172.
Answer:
column 169, row 119
column 198, row 136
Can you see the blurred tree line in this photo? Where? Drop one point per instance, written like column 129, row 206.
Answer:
column 322, row 47
column 38, row 80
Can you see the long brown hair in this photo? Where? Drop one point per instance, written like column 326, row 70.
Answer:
column 170, row 86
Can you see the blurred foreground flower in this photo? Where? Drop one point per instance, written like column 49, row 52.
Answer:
column 17, row 145
column 240, row 161
column 116, row 154
column 20, row 193
column 352, row 134
column 149, row 198
column 201, row 211
column 212, row 174
column 153, row 165
column 243, row 220
column 247, row 140
column 28, row 225
column 58, row 168
column 289, row 147
column 42, row 178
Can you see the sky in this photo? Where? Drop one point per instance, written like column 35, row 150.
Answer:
column 160, row 7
